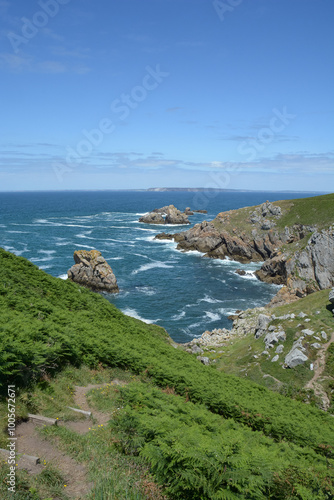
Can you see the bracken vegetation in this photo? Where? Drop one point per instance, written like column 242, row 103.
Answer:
column 258, row 445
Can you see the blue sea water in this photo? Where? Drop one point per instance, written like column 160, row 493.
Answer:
column 183, row 292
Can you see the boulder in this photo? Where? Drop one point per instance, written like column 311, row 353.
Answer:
column 241, row 272
column 188, row 211
column 152, row 218
column 262, row 325
column 275, row 358
column 279, row 349
column 204, row 360
column 331, row 296
column 295, row 358
column 196, row 350
column 174, row 216
column 92, row 271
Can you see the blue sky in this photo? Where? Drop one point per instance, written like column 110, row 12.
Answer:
column 116, row 94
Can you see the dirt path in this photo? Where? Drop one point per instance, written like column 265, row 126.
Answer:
column 31, row 443
column 319, row 366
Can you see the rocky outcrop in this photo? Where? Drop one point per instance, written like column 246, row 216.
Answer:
column 305, row 271
column 331, row 296
column 152, row 218
column 92, row 271
column 299, row 257
column 172, row 216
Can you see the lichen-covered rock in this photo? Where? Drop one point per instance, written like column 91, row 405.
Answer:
column 262, row 325
column 92, row 271
column 295, row 357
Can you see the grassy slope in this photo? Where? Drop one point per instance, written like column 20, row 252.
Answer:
column 238, row 357
column 317, row 210
column 48, row 323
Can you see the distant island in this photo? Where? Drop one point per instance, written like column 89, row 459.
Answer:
column 191, row 190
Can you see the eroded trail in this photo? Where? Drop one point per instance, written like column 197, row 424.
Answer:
column 319, row 366
column 30, row 442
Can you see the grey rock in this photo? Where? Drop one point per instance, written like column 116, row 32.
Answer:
column 92, row 271
column 204, row 360
column 196, row 350
column 295, row 358
column 307, row 320
column 270, row 339
column 316, row 345
column 308, row 332
column 302, row 315
column 275, row 358
column 281, row 335
column 279, row 349
column 264, row 353
column 262, row 324
column 324, row 335
column 267, row 224
column 331, row 296
column 152, row 218
column 272, row 328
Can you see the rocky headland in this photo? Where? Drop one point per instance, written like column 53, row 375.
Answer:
column 295, row 246
column 92, row 271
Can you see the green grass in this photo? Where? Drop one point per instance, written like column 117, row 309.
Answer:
column 49, row 326
column 238, row 358
column 317, row 210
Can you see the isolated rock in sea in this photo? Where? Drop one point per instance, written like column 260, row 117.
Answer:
column 241, row 272
column 92, row 271
column 172, row 216
column 152, row 218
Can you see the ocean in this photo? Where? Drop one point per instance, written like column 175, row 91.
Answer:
column 183, row 292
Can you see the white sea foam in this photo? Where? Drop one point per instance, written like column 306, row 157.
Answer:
column 250, row 275
column 177, row 317
column 226, row 311
column 47, row 252
column 63, row 276
column 151, row 265
column 133, row 313
column 17, row 232
column 84, row 246
column 63, row 243
column 212, row 316
column 146, row 238
column 144, row 229
column 209, row 299
column 115, row 258
column 44, row 267
column 146, row 290
column 84, row 236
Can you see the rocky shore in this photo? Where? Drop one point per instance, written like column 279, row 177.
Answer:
column 299, row 256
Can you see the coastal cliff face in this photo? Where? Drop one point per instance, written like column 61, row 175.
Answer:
column 299, row 256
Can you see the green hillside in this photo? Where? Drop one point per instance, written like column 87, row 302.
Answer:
column 48, row 324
